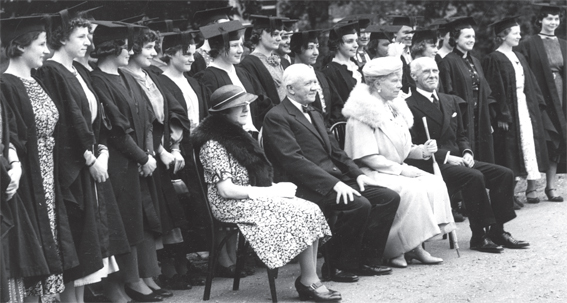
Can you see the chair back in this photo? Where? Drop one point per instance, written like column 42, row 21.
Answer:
column 338, row 130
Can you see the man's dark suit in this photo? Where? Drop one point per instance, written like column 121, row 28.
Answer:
column 446, row 127
column 308, row 155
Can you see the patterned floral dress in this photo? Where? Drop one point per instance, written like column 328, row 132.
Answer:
column 278, row 229
column 46, row 116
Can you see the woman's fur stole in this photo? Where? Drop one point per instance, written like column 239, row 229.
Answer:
column 238, row 143
column 372, row 109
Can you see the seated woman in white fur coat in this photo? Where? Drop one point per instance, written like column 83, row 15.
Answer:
column 378, row 139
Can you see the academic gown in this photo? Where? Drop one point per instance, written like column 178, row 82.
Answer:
column 213, row 78
column 536, row 56
column 455, row 78
column 24, row 137
column 171, row 210
column 339, row 77
column 20, row 238
column 501, row 75
column 129, row 142
column 333, row 102
column 407, row 80
column 254, row 66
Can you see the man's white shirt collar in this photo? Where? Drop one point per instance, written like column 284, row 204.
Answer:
column 427, row 94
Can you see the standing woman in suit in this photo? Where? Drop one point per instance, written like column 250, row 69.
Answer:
column 519, row 137
column 83, row 175
column 33, row 140
column 131, row 160
column 461, row 74
column 263, row 63
column 342, row 70
column 226, row 52
column 546, row 55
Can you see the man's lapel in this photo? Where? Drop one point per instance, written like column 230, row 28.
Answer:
column 428, row 108
column 298, row 115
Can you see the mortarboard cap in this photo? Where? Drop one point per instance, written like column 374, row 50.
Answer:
column 377, row 32
column 303, row 38
column 342, row 29
column 460, row 23
column 115, row 30
column 363, row 20
column 503, row 24
column 209, row 16
column 225, row 32
column 423, row 35
column 402, row 20
column 173, row 39
column 166, row 25
column 288, row 24
column 12, row 28
column 267, row 22
column 548, row 8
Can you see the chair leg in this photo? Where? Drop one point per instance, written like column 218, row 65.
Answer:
column 211, row 268
column 451, row 241
column 272, row 273
column 240, row 260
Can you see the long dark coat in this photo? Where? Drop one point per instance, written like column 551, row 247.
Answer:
column 129, row 142
column 339, row 77
column 86, row 209
column 254, row 66
column 333, row 102
column 171, row 210
column 213, row 78
column 455, row 80
column 507, row 144
column 536, row 56
column 23, row 137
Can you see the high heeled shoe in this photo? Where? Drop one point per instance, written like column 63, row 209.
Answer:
column 550, row 197
column 309, row 292
column 422, row 256
column 140, row 297
column 531, row 200
column 399, row 262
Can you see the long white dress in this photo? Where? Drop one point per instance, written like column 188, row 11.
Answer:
column 381, row 128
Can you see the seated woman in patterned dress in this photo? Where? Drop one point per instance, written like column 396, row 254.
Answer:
column 277, row 225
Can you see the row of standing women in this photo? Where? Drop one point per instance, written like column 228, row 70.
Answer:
column 93, row 150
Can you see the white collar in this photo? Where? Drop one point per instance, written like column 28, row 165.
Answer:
column 547, row 36
column 296, row 104
column 427, row 94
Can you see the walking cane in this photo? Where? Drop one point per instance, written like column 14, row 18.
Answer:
column 437, row 172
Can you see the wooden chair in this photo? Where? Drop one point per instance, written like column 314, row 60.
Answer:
column 338, row 130
column 214, row 250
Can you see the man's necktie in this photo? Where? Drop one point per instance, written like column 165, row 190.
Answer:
column 306, row 108
column 436, row 102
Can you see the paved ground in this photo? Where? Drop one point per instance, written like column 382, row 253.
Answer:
column 537, row 274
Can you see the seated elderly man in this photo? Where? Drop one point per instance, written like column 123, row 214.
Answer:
column 456, row 160
column 304, row 152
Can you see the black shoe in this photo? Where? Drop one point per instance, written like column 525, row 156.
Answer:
column 370, row 270
column 309, row 292
column 458, row 216
column 177, row 282
column 228, row 272
column 505, row 239
column 140, row 297
column 550, row 197
column 484, row 244
column 532, row 200
column 338, row 275
column 162, row 292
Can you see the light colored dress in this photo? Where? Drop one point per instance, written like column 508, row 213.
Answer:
column 525, row 123
column 278, row 229
column 380, row 128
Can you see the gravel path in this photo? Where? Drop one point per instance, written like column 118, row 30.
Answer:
column 537, row 274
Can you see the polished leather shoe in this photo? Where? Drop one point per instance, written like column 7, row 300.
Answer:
column 162, row 292
column 369, row 270
column 338, row 275
column 505, row 239
column 484, row 244
column 310, row 292
column 140, row 297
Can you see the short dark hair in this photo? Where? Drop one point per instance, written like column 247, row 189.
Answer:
column 501, row 36
column 12, row 50
column 60, row 34
column 419, row 48
column 455, row 34
column 543, row 14
column 257, row 33
column 144, row 37
column 107, row 48
column 168, row 53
